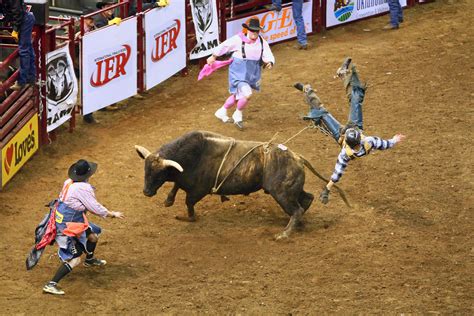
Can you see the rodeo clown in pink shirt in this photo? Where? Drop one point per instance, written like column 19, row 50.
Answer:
column 74, row 233
column 249, row 53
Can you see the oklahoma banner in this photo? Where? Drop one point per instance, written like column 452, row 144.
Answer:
column 343, row 11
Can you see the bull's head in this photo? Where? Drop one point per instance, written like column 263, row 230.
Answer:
column 157, row 170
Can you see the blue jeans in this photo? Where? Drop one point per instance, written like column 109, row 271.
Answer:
column 298, row 17
column 356, row 98
column 396, row 12
column 277, row 4
column 26, row 51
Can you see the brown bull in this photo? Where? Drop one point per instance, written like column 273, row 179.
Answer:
column 194, row 161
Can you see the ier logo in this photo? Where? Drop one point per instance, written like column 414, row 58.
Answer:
column 110, row 67
column 165, row 42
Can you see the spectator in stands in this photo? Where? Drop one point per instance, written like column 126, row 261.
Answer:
column 249, row 53
column 89, row 26
column 103, row 18
column 297, row 8
column 396, row 15
column 146, row 4
column 22, row 22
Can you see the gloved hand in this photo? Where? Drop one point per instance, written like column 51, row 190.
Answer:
column 162, row 3
column 15, row 35
column 324, row 196
column 115, row 21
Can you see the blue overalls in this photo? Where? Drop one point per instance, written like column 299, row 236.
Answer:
column 244, row 71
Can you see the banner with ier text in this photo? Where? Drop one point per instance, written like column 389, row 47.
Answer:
column 61, row 87
column 165, row 47
column 277, row 26
column 19, row 149
column 344, row 11
column 109, row 65
column 206, row 25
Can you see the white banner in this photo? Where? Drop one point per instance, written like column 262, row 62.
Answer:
column 109, row 65
column 61, row 87
column 206, row 25
column 343, row 11
column 276, row 26
column 165, row 47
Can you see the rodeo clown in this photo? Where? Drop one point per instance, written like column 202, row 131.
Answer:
column 350, row 137
column 74, row 233
column 249, row 53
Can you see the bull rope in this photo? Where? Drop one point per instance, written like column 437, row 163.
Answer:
column 265, row 146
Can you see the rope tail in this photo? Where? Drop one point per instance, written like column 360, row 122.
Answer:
column 317, row 174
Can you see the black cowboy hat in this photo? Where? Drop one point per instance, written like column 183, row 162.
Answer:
column 82, row 170
column 254, row 25
column 101, row 4
column 87, row 10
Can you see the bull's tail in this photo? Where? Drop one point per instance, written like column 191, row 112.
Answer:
column 317, row 174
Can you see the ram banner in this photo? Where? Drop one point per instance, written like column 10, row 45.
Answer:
column 61, row 87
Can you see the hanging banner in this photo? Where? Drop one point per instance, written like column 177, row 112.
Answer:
column 61, row 87
column 165, row 47
column 109, row 65
column 19, row 149
column 206, row 25
column 344, row 11
column 277, row 26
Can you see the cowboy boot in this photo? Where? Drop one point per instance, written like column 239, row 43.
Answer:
column 317, row 112
column 343, row 71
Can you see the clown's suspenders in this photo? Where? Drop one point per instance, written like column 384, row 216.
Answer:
column 244, row 56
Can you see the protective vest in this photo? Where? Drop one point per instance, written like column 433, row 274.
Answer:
column 70, row 222
column 349, row 151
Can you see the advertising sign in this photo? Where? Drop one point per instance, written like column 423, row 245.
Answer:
column 61, row 87
column 343, row 11
column 165, row 47
column 206, row 25
column 19, row 149
column 277, row 26
column 109, row 65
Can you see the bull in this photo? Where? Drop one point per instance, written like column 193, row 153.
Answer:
column 202, row 163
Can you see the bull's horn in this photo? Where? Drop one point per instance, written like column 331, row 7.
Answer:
column 142, row 151
column 171, row 163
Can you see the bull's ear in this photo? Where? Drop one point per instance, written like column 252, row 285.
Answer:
column 142, row 151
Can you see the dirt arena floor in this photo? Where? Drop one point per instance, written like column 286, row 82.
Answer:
column 405, row 247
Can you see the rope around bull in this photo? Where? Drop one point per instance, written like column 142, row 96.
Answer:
column 265, row 146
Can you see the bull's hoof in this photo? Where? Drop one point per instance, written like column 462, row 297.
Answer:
column 185, row 218
column 168, row 203
column 281, row 236
column 224, row 198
